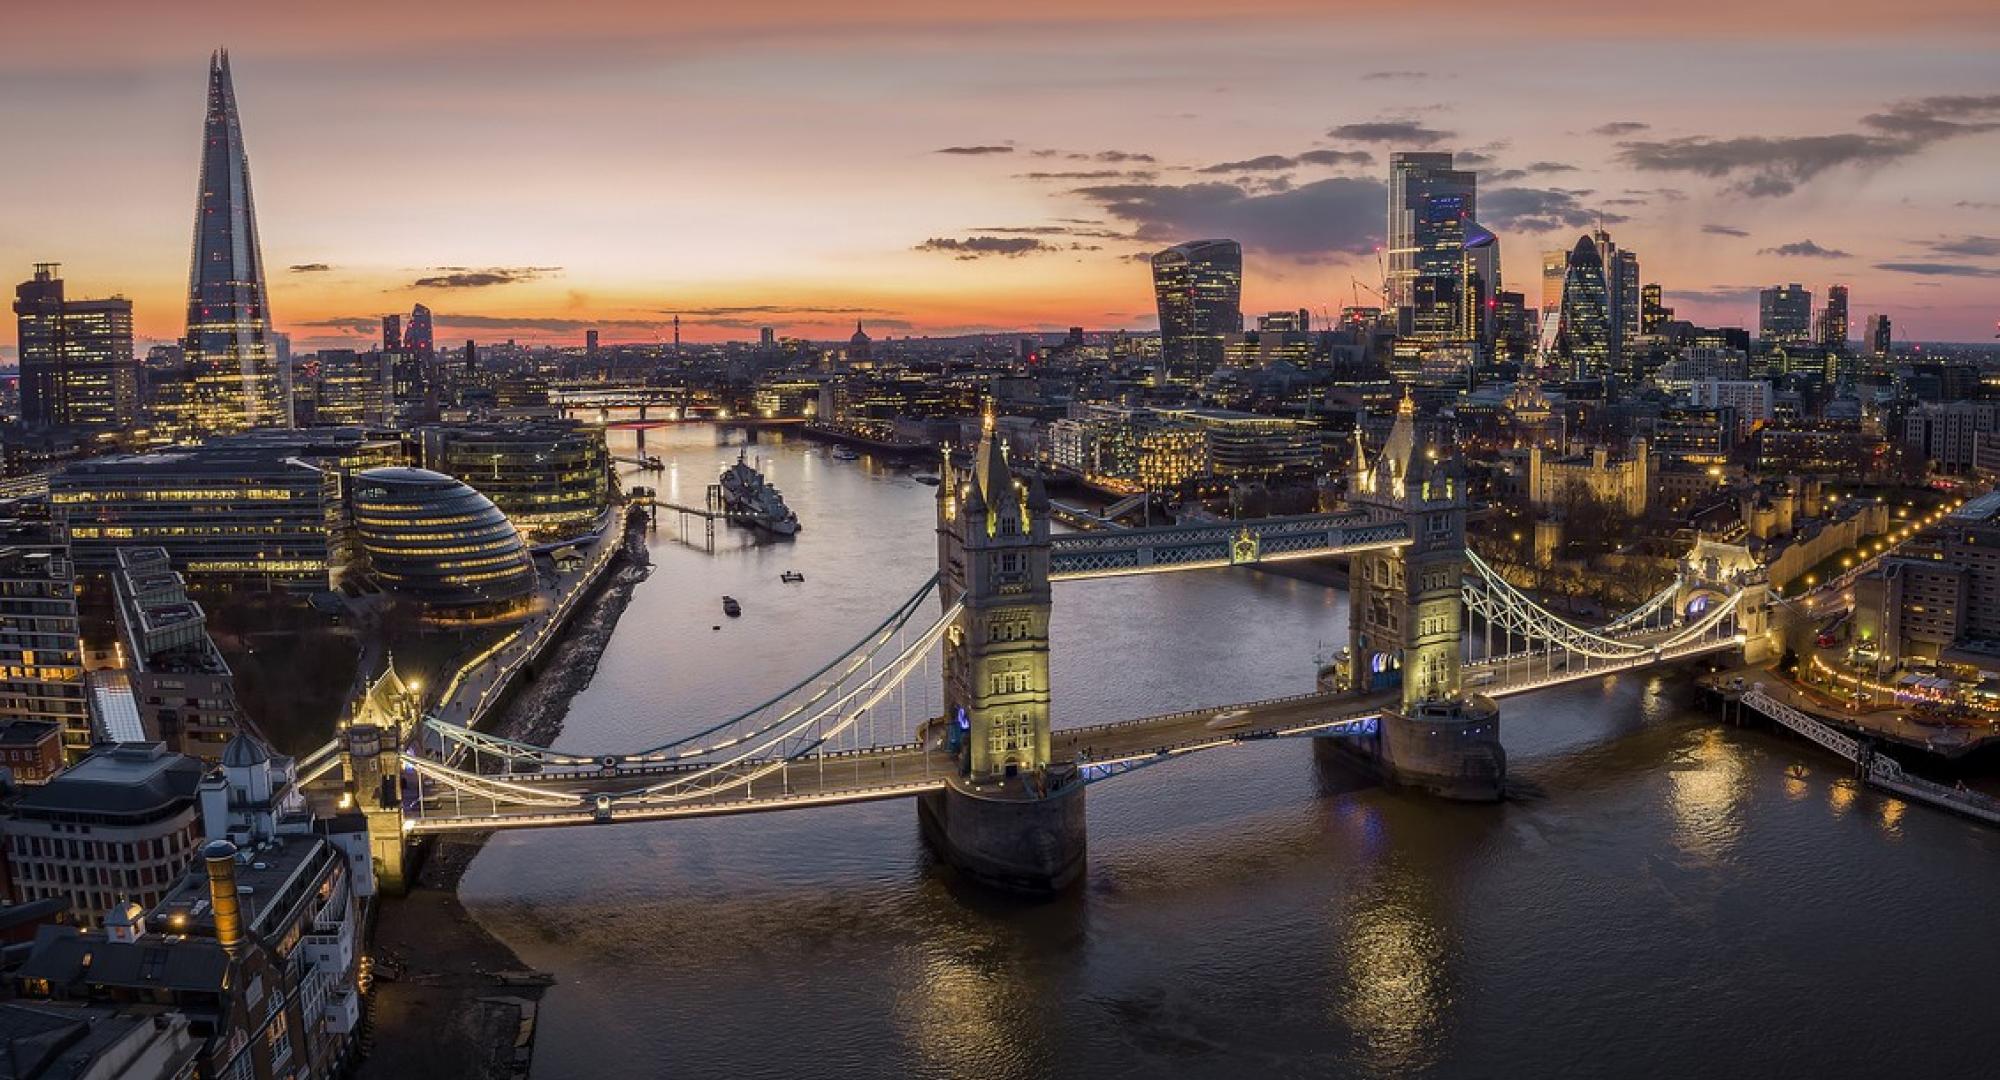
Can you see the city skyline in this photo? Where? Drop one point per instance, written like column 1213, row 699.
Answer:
column 1019, row 187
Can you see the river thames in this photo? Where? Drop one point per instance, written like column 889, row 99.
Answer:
column 1660, row 896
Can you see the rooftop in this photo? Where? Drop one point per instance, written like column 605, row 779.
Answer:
column 128, row 779
column 66, row 956
column 1984, row 508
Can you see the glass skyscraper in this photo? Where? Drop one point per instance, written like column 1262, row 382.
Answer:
column 1199, row 288
column 1583, row 331
column 77, row 369
column 1784, row 315
column 231, row 362
column 1443, row 268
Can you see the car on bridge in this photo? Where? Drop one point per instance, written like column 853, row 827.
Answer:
column 1229, row 720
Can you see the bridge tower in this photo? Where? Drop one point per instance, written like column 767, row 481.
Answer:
column 1407, row 621
column 1008, row 817
column 371, row 760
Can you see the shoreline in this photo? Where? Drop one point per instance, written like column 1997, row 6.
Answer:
column 451, row 1001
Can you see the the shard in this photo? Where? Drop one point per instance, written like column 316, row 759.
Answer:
column 232, row 366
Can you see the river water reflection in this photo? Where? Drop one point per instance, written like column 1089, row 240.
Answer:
column 1663, row 896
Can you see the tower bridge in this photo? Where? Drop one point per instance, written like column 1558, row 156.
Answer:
column 1436, row 639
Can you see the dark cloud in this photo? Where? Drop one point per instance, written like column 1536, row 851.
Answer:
column 975, row 151
column 1931, row 269
column 1406, row 132
column 1540, row 210
column 1336, row 157
column 1968, row 204
column 1725, row 230
column 1505, row 176
column 1966, row 245
column 309, row 268
column 465, row 277
column 975, row 247
column 1804, row 249
column 353, row 324
column 1086, row 230
column 1092, row 174
column 1116, row 157
column 771, row 309
column 1721, row 294
column 1618, row 128
column 1335, row 215
column 1770, row 166
column 1385, row 76
column 1472, row 159
column 1933, row 118
column 1265, row 163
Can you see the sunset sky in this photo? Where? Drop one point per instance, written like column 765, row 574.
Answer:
column 529, row 170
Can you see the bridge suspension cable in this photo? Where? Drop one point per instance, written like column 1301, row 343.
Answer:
column 1492, row 598
column 856, row 659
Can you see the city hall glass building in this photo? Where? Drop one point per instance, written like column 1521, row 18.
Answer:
column 432, row 539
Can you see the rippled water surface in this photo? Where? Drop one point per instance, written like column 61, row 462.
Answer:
column 1663, row 897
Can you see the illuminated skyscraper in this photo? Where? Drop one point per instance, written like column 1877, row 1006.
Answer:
column 1199, row 288
column 1621, row 295
column 1784, row 315
column 230, row 360
column 1443, row 267
column 1879, row 339
column 77, row 368
column 1581, row 333
column 392, row 333
column 1654, row 314
column 1833, row 320
column 418, row 336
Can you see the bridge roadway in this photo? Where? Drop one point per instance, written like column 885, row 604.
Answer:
column 909, row 769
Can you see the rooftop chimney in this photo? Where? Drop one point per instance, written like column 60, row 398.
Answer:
column 220, row 855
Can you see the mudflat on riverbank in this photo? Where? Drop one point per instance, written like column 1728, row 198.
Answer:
column 451, row 1001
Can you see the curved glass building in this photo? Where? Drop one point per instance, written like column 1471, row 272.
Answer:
column 432, row 539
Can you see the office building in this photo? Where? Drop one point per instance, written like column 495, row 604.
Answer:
column 1880, row 343
column 257, row 946
column 1252, row 446
column 1128, row 449
column 1832, row 329
column 1784, row 316
column 1443, row 266
column 1198, row 287
column 351, row 389
column 182, row 688
column 1942, row 590
column 590, row 344
column 1623, row 304
column 263, row 508
column 392, row 333
column 1580, row 335
column 41, row 650
column 121, row 824
column 419, row 337
column 552, row 478
column 1750, row 399
column 77, row 368
column 431, row 539
column 232, row 377
column 1945, row 433
column 1654, row 315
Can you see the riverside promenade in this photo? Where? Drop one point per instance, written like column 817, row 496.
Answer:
column 469, row 697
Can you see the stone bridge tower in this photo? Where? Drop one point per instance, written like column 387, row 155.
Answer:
column 1407, row 620
column 372, row 762
column 993, row 554
column 1010, row 817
